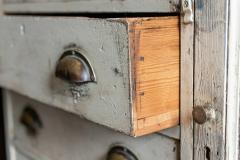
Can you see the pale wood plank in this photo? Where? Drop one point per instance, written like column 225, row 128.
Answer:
column 186, row 92
column 233, row 86
column 155, row 123
column 210, row 77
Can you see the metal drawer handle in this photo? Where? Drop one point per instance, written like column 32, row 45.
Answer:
column 75, row 68
column 31, row 120
column 121, row 153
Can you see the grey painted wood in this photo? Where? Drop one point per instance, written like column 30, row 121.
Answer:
column 66, row 136
column 32, row 46
column 232, row 123
column 107, row 102
column 77, row 6
column 210, row 76
column 9, row 126
column 173, row 132
column 187, row 54
column 1, row 7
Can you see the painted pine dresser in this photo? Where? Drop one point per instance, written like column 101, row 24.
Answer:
column 120, row 79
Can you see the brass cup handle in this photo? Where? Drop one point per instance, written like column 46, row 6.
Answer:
column 121, row 153
column 31, row 120
column 73, row 67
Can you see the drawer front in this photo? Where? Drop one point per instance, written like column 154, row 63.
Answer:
column 102, row 6
column 66, row 136
column 29, row 56
column 134, row 64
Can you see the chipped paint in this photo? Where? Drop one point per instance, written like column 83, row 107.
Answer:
column 174, row 5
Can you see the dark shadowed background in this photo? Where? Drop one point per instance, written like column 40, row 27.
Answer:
column 2, row 140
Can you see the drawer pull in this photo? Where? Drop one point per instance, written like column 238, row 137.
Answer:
column 74, row 68
column 31, row 120
column 121, row 153
column 203, row 114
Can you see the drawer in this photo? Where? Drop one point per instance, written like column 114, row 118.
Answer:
column 94, row 6
column 120, row 73
column 64, row 136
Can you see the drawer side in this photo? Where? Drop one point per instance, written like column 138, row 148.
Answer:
column 156, row 60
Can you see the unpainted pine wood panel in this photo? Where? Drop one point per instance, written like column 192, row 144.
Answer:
column 93, row 6
column 210, row 76
column 155, row 45
column 186, row 107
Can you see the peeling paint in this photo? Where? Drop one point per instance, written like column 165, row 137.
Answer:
column 22, row 29
column 79, row 92
column 174, row 6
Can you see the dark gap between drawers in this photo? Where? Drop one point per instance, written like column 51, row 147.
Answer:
column 2, row 135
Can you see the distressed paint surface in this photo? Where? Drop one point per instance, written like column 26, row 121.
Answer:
column 210, row 76
column 106, row 44
column 30, row 52
column 77, row 6
column 83, row 140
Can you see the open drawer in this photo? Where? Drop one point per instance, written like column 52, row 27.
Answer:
column 120, row 73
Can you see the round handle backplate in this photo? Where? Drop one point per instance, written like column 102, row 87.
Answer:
column 203, row 114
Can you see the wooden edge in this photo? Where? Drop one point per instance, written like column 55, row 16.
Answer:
column 233, row 83
column 151, row 124
column 186, row 91
column 210, row 77
column 130, row 22
column 9, row 124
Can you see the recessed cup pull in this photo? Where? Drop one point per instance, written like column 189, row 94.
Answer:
column 74, row 67
column 121, row 153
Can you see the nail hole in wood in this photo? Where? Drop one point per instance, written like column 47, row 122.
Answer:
column 207, row 151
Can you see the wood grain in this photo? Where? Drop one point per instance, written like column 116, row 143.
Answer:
column 233, row 84
column 139, row 57
column 155, row 46
column 210, row 76
column 186, row 92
